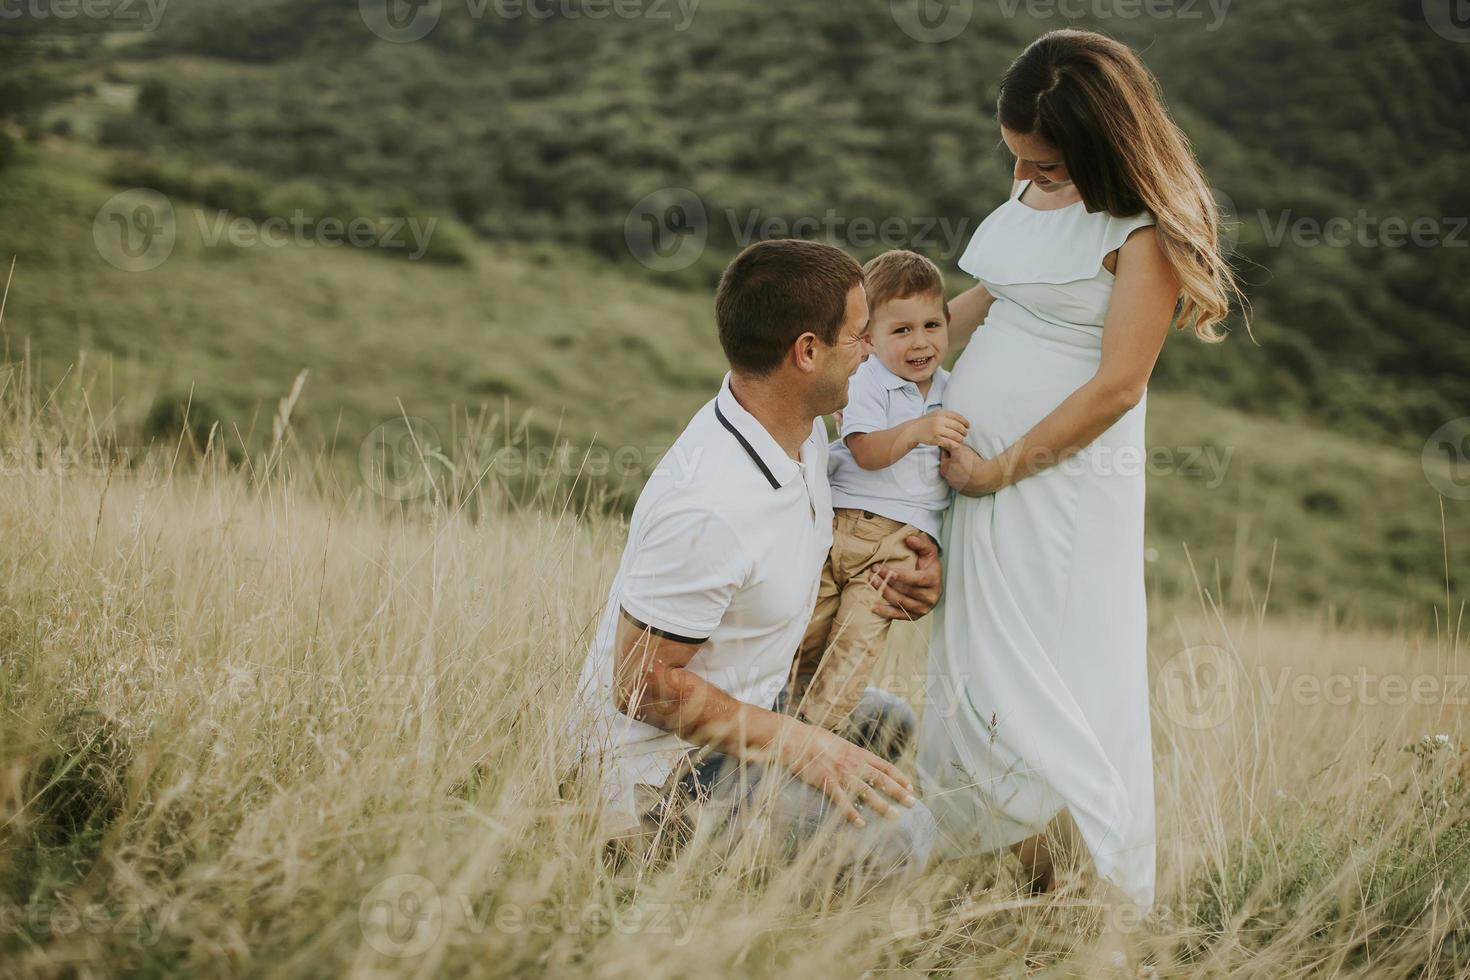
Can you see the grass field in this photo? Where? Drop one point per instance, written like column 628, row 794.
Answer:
column 250, row 728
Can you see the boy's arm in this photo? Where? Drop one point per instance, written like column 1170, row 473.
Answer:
column 876, row 450
column 884, row 447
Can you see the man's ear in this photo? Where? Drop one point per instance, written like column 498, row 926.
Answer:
column 804, row 351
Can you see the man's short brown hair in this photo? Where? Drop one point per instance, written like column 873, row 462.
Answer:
column 775, row 291
column 900, row 274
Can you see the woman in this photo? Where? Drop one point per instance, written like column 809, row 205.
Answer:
column 1039, row 690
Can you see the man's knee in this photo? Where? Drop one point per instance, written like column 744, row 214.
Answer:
column 883, row 723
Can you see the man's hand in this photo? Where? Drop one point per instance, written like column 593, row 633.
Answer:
column 908, row 593
column 843, row 771
column 941, row 428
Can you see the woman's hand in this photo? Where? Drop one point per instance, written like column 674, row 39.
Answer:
column 970, row 473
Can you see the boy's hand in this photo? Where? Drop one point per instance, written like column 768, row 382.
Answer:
column 942, row 428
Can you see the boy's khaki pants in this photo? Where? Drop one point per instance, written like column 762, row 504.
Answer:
column 846, row 637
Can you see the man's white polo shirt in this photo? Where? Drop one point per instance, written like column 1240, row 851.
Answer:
column 725, row 549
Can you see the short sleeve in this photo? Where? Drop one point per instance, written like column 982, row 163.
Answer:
column 867, row 404
column 1120, row 228
column 970, row 259
column 681, row 574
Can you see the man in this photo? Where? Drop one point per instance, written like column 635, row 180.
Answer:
column 720, row 576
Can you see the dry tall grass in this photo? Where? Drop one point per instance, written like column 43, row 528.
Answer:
column 250, row 727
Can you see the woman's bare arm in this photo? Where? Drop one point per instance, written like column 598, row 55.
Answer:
column 966, row 312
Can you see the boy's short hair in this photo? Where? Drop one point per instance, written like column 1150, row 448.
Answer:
column 900, row 274
column 775, row 291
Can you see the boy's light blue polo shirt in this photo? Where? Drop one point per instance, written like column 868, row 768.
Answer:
column 911, row 490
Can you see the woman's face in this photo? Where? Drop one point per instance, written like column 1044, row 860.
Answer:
column 1037, row 161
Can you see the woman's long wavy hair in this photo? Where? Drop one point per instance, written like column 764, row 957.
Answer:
column 1093, row 99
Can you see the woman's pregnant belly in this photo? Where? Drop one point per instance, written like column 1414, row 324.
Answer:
column 1011, row 377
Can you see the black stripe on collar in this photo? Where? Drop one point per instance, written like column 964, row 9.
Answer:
column 765, row 470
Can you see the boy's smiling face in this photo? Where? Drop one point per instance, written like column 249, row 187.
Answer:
column 910, row 335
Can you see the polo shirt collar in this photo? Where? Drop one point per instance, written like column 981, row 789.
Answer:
column 886, row 377
column 778, row 468
column 893, row 382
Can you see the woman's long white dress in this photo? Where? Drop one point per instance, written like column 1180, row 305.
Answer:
column 1038, row 685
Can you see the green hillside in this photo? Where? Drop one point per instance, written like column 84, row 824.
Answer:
column 542, row 344
column 555, row 128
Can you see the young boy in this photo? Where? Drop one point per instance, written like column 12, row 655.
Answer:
column 885, row 480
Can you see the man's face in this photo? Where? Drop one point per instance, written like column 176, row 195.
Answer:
column 839, row 361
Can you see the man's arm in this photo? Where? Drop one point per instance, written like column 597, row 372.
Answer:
column 652, row 684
